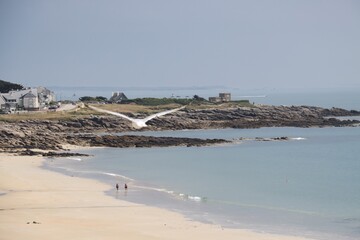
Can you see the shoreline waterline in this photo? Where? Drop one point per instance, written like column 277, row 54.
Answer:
column 320, row 216
column 43, row 203
column 193, row 207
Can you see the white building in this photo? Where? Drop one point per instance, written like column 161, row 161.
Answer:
column 223, row 97
column 30, row 101
column 27, row 99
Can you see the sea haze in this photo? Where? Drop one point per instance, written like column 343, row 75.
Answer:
column 306, row 186
column 348, row 98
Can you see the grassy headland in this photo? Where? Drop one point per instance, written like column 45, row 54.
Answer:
column 136, row 106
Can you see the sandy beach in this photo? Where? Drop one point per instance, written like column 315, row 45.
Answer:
column 39, row 204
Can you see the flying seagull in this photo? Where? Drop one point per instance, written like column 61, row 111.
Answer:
column 137, row 123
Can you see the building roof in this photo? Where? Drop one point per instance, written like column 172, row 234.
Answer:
column 118, row 97
column 29, row 95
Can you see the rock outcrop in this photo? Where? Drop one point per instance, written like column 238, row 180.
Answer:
column 81, row 131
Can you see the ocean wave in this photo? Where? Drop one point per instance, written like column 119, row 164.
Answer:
column 115, row 175
column 74, row 158
column 195, row 198
column 95, row 172
column 192, row 198
column 174, row 194
column 298, row 138
column 155, row 189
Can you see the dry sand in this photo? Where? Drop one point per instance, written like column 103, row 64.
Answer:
column 40, row 204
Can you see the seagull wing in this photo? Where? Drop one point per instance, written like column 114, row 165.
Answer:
column 162, row 113
column 112, row 113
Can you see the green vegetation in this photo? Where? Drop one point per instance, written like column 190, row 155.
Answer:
column 157, row 101
column 93, row 99
column 8, row 86
column 138, row 105
column 165, row 101
column 199, row 99
column 242, row 102
column 47, row 115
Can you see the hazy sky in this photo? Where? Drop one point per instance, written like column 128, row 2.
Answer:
column 172, row 43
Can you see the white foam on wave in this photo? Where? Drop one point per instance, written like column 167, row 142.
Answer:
column 173, row 193
column 74, row 158
column 195, row 198
column 156, row 189
column 116, row 175
column 191, row 198
column 298, row 138
column 97, row 172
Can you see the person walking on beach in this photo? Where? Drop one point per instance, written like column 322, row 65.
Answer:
column 117, row 187
column 126, row 186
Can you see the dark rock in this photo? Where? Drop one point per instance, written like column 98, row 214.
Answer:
column 51, row 135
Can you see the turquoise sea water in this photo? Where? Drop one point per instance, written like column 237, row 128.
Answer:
column 307, row 186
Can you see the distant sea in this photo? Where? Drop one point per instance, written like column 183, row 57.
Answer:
column 348, row 98
column 307, row 186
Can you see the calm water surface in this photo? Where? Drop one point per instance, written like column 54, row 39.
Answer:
column 307, row 186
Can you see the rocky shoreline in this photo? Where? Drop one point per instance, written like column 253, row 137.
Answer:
column 22, row 136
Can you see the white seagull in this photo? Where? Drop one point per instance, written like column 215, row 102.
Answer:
column 137, row 123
